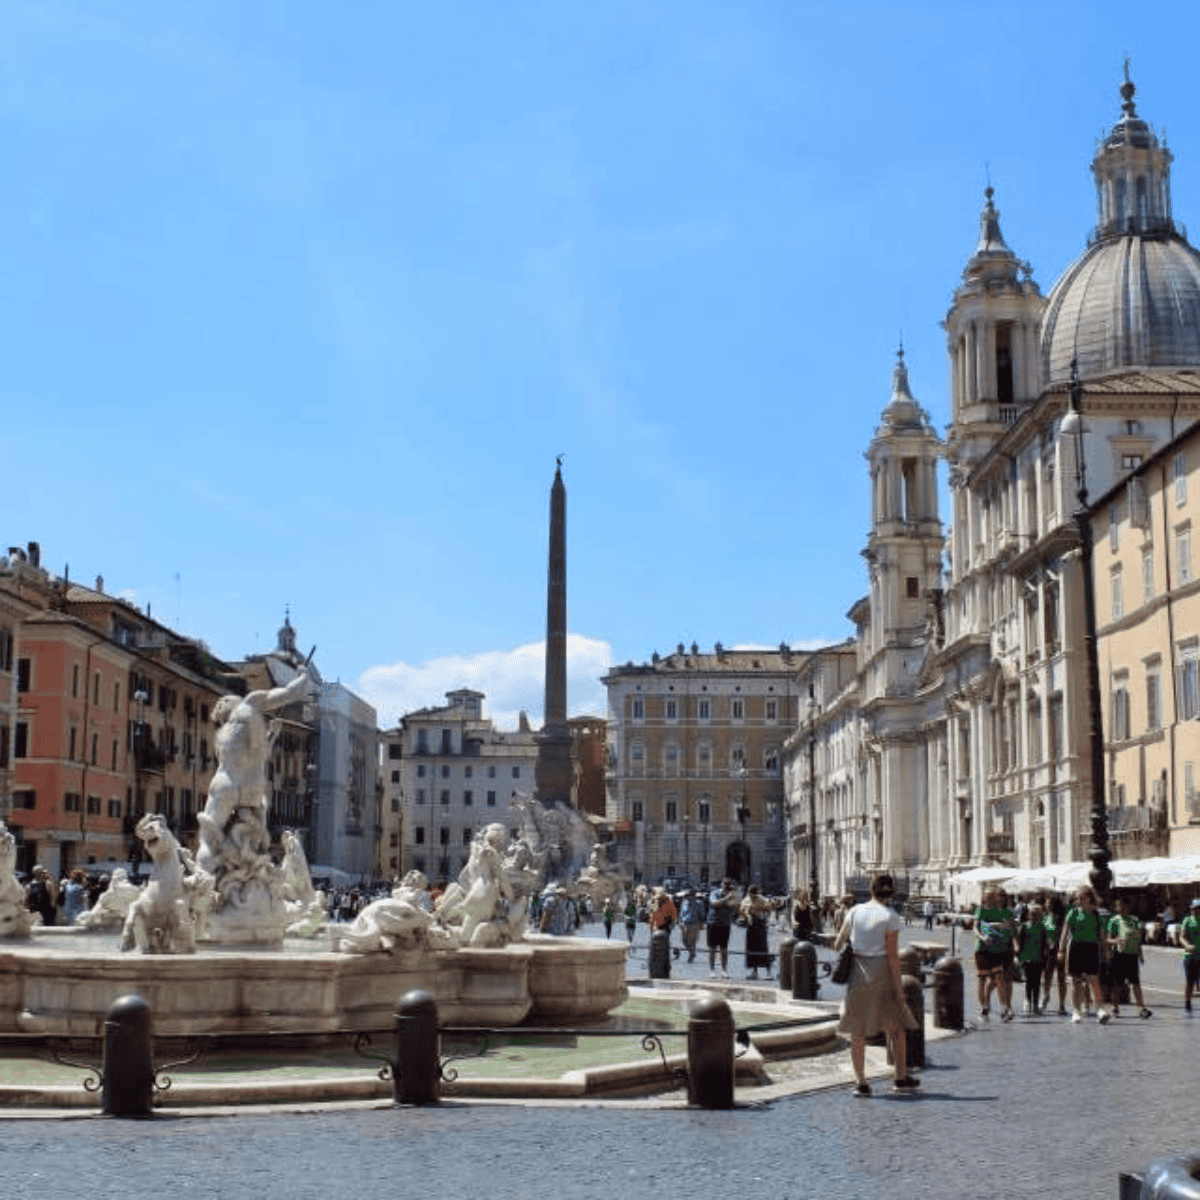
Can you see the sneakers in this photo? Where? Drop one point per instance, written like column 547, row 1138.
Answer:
column 862, row 1089
column 1103, row 1016
column 1145, row 1013
column 984, row 1014
column 1076, row 1017
column 1007, row 1014
column 1062, row 1012
column 907, row 1084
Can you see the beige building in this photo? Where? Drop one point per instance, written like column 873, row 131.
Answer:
column 695, row 783
column 1148, row 619
column 447, row 772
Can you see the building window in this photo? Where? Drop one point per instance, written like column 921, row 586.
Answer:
column 491, row 772
column 395, row 804
column 671, row 811
column 672, row 710
column 420, row 770
column 420, row 795
column 704, row 710
column 71, row 747
column 1147, row 575
column 114, row 808
column 395, row 776
column 468, row 797
column 422, row 742
column 71, row 802
column 93, row 806
column 1188, row 672
column 114, row 754
column 638, row 811
column 468, row 772
column 75, row 680
column 1116, row 595
column 395, row 751
column 1153, row 695
column 1035, row 733
column 704, row 812
column 491, row 799
column 772, row 710
column 516, row 772
column 771, row 761
column 1130, row 462
column 24, row 669
column 444, row 835
column 704, row 760
column 1183, row 552
column 737, row 710
column 671, row 760
column 419, row 835
column 912, row 587
column 466, row 836
column 1055, row 728
column 1179, row 470
column 1119, row 713
column 1114, row 528
column 6, row 649
column 95, row 748
column 445, row 797
column 638, row 709
column 636, row 758
column 445, row 771
column 446, row 746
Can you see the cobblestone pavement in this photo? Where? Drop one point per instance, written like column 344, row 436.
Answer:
column 1038, row 1107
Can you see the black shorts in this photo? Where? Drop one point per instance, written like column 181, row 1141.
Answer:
column 987, row 961
column 1083, row 959
column 1123, row 969
column 1191, row 970
column 718, row 937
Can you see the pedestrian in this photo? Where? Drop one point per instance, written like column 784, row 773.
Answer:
column 1079, row 947
column 722, row 904
column 1054, row 967
column 1124, row 933
column 609, row 914
column 74, row 897
column 755, row 909
column 874, row 1000
column 802, row 918
column 1189, row 939
column 689, row 923
column 39, row 896
column 995, row 941
column 1031, row 939
column 663, row 913
column 927, row 913
column 630, row 919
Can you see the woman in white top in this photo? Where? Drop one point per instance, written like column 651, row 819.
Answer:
column 874, row 997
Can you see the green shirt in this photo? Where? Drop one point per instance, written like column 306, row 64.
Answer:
column 994, row 929
column 1084, row 925
column 1126, row 932
column 1190, row 928
column 1033, row 941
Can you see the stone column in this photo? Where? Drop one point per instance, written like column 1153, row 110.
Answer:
column 972, row 383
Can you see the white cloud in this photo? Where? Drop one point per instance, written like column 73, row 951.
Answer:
column 511, row 680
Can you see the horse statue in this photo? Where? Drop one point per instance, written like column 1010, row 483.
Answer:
column 171, row 910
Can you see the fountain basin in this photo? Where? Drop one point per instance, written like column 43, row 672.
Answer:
column 59, row 987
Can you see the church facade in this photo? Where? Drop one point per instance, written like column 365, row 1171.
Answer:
column 963, row 735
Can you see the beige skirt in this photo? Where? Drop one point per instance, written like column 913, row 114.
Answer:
column 872, row 1004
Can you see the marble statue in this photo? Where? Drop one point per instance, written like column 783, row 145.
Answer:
column 249, row 902
column 112, row 905
column 559, row 837
column 304, row 905
column 171, row 909
column 483, row 907
column 15, row 918
column 397, row 922
column 601, row 880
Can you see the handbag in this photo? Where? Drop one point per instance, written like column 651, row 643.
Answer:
column 845, row 961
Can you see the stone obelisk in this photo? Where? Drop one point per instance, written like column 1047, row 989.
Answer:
column 553, row 773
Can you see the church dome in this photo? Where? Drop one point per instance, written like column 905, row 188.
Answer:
column 1132, row 299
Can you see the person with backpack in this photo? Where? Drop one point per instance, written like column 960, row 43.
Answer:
column 1124, row 933
column 39, row 896
column 1080, row 949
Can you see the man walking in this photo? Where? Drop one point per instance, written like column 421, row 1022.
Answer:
column 1189, row 939
column 722, row 905
column 689, row 920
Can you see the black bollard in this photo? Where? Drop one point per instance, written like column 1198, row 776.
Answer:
column 804, row 971
column 710, row 1053
column 660, row 954
column 787, row 948
column 948, row 993
column 416, row 1068
column 128, row 1070
column 914, row 997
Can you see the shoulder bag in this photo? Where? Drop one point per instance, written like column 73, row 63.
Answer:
column 845, row 961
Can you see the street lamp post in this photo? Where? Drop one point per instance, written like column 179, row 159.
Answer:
column 687, row 857
column 814, row 879
column 1100, row 875
column 743, row 813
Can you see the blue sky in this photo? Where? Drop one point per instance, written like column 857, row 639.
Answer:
column 304, row 299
